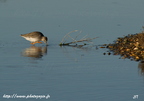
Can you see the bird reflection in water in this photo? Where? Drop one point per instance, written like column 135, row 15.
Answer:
column 35, row 52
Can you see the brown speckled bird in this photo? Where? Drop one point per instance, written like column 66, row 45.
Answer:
column 35, row 37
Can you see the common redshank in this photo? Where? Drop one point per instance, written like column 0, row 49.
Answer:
column 35, row 37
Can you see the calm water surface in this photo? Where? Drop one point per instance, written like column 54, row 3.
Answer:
column 69, row 73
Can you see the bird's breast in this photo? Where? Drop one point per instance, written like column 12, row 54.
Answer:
column 31, row 39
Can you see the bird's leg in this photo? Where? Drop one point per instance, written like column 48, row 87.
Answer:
column 36, row 42
column 33, row 43
column 39, row 42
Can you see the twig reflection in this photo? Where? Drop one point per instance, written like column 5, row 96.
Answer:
column 76, row 56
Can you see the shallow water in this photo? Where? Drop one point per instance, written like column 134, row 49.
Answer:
column 68, row 73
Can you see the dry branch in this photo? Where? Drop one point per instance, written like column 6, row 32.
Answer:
column 84, row 39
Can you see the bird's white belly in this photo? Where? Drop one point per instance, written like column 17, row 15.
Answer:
column 31, row 39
